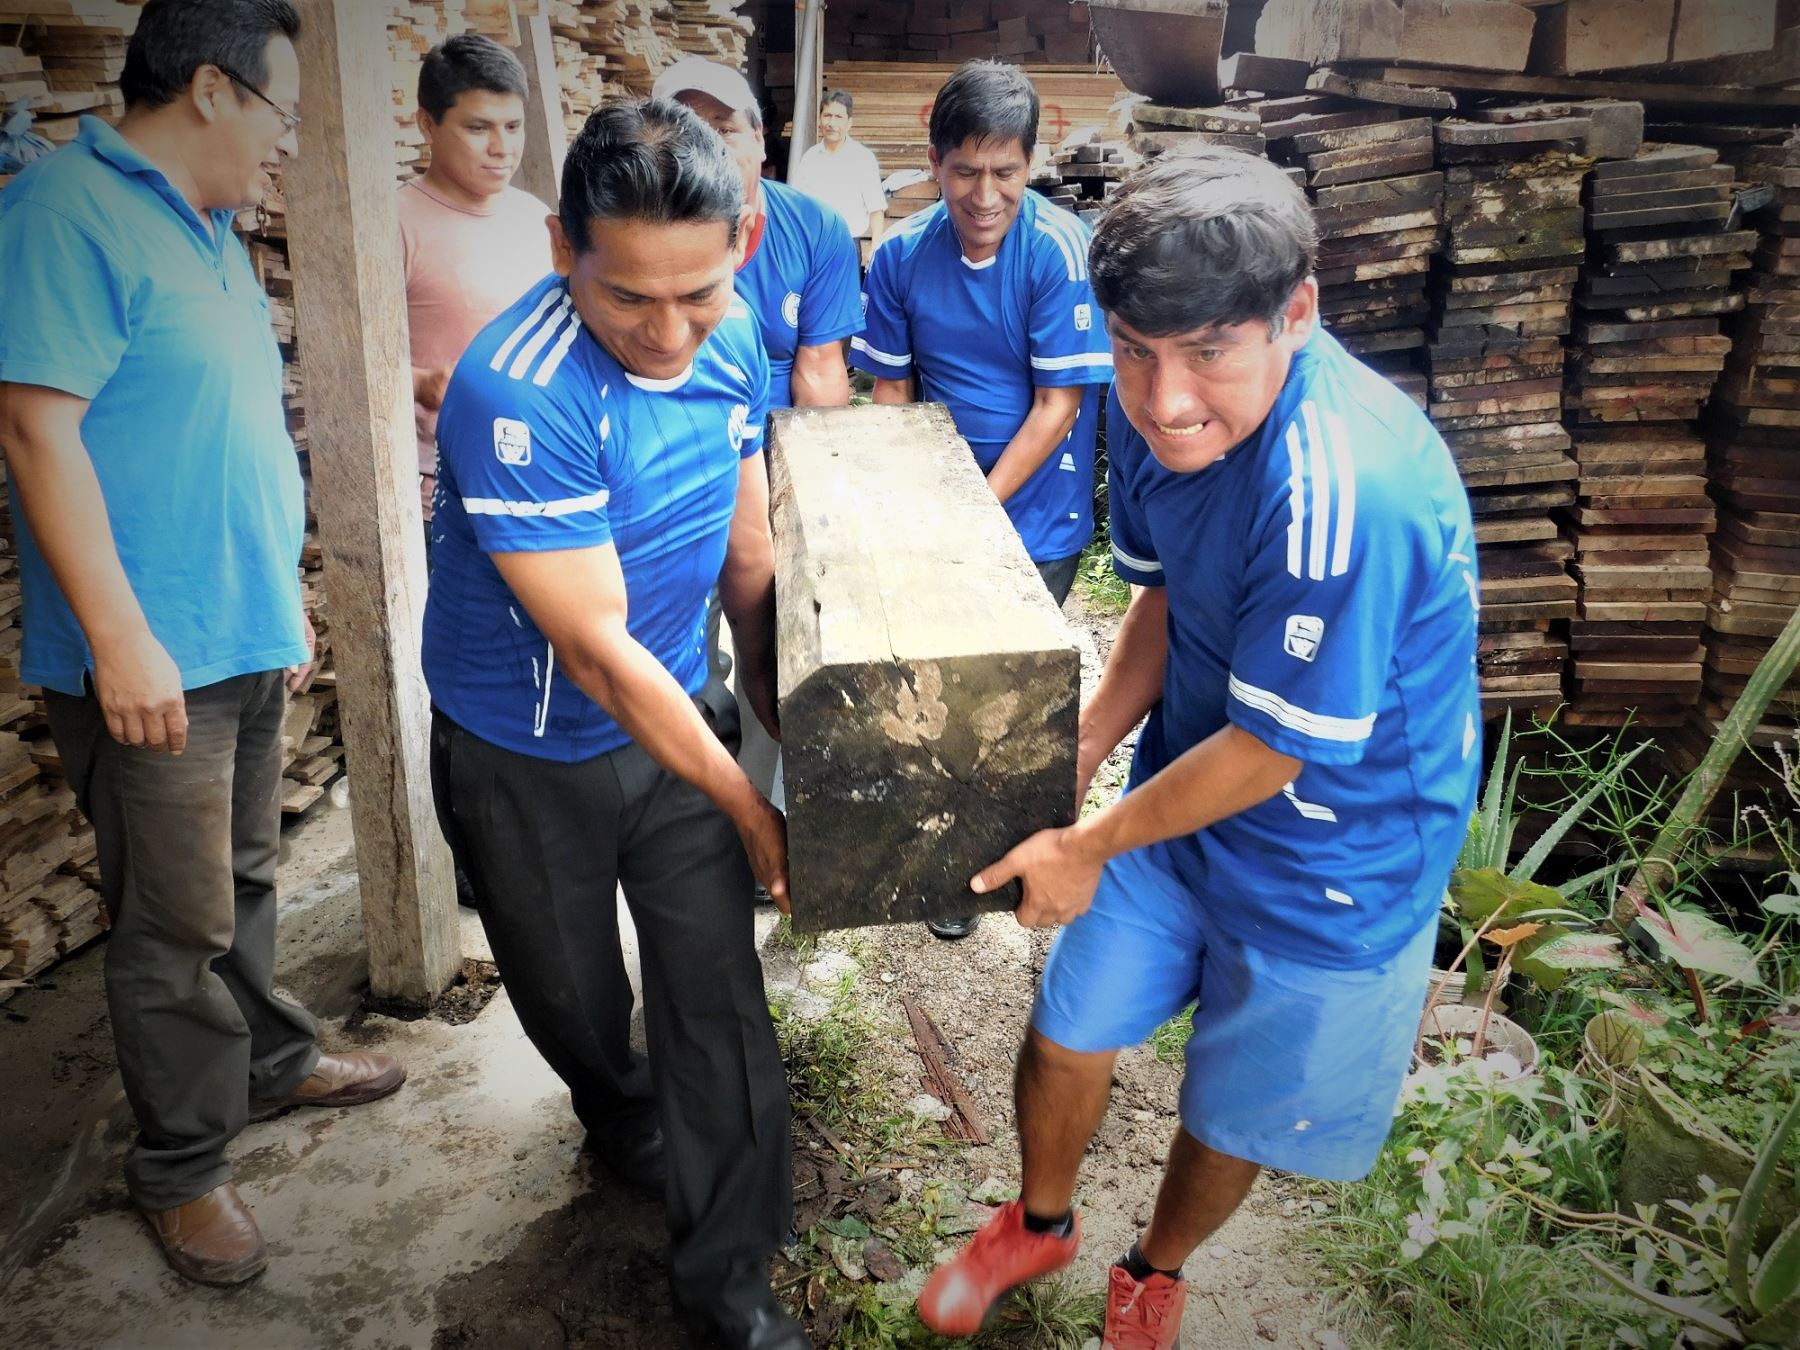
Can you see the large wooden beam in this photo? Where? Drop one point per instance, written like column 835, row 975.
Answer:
column 546, row 134
column 928, row 684
column 351, row 312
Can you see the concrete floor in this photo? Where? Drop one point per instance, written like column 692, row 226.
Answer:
column 370, row 1213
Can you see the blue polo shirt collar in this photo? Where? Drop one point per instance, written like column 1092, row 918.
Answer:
column 104, row 142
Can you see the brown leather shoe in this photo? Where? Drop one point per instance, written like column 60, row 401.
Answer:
column 212, row 1240
column 339, row 1080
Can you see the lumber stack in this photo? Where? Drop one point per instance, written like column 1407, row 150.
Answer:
column 1753, row 438
column 1083, row 174
column 1378, row 200
column 1501, row 305
column 893, row 105
column 943, row 32
column 1656, row 280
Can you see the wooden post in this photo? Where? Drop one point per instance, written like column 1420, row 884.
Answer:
column 350, row 298
column 546, row 134
column 809, row 76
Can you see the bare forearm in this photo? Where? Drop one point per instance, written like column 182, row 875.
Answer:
column 820, row 378
column 877, row 223
column 1131, row 683
column 640, row 695
column 1052, row 414
column 1230, row 771
column 894, row 391
column 67, row 514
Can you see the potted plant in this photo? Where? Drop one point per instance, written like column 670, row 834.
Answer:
column 1761, row 1297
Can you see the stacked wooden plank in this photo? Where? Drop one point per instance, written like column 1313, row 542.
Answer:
column 74, row 49
column 1652, row 290
column 1502, row 297
column 1026, row 32
column 1378, row 200
column 1084, row 172
column 1753, row 439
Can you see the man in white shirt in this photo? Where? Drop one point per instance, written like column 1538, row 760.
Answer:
column 842, row 172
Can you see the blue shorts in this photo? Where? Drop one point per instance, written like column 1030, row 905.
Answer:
column 1290, row 1065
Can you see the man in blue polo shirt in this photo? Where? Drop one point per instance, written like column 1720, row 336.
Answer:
column 160, row 514
column 1304, row 646
column 600, row 469
column 983, row 304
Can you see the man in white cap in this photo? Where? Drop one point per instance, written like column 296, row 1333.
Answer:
column 801, row 279
column 799, row 275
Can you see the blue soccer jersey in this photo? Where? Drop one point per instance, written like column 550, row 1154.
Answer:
column 980, row 337
column 546, row 442
column 1322, row 596
column 802, row 283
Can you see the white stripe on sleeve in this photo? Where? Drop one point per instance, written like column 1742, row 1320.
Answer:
column 1098, row 360
column 1148, row 565
column 1319, row 726
column 885, row 358
column 565, row 506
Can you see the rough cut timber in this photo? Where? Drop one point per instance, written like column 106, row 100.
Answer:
column 928, row 685
column 1325, row 31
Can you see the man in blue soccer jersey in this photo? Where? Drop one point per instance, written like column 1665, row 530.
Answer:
column 600, row 470
column 982, row 303
column 1304, row 645
column 800, row 275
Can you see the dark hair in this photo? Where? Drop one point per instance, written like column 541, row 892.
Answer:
column 1208, row 237
column 464, row 62
column 983, row 101
column 838, row 96
column 654, row 161
column 174, row 38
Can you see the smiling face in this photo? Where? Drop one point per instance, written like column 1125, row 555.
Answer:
column 650, row 293
column 982, row 182
column 476, row 149
column 250, row 139
column 1193, row 396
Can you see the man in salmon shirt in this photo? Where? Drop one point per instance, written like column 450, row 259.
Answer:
column 472, row 243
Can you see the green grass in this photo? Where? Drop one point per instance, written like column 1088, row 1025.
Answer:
column 1169, row 1041
column 1102, row 588
column 1501, row 1288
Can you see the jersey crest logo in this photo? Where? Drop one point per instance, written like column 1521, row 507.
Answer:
column 790, row 309
column 1084, row 318
column 864, row 297
column 512, row 442
column 1304, row 633
column 739, row 425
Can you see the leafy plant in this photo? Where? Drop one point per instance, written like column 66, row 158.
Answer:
column 1761, row 1295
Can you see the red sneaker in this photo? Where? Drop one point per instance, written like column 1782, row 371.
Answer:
column 1143, row 1316
column 961, row 1294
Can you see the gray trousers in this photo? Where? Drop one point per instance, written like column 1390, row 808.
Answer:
column 187, row 849
column 547, row 847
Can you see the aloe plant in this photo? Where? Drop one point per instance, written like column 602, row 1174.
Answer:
column 1766, row 1302
column 1483, row 890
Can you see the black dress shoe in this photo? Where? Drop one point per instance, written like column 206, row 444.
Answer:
column 635, row 1159
column 953, row 930
column 747, row 1320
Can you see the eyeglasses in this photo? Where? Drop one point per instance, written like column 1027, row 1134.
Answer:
column 290, row 122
